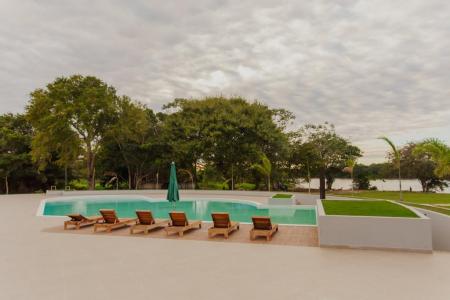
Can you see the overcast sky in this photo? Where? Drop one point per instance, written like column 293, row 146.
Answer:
column 370, row 67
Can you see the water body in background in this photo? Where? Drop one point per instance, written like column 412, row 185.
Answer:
column 382, row 185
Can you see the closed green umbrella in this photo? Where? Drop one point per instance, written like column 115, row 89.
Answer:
column 172, row 192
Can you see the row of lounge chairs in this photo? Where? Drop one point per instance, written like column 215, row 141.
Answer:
column 178, row 223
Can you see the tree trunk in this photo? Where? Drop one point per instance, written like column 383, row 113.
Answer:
column 129, row 178
column 351, row 174
column 423, row 183
column 309, row 178
column 6, row 185
column 91, row 169
column 322, row 184
column 268, row 183
column 232, row 178
column 329, row 183
column 400, row 182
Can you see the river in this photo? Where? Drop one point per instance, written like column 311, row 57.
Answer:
column 381, row 184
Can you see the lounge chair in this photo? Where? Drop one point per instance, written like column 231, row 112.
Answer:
column 78, row 220
column 146, row 222
column 222, row 225
column 110, row 220
column 262, row 226
column 179, row 223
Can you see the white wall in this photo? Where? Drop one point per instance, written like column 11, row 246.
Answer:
column 374, row 232
column 440, row 227
column 302, row 198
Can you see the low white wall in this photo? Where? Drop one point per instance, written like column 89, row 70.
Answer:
column 282, row 201
column 440, row 227
column 301, row 198
column 374, row 232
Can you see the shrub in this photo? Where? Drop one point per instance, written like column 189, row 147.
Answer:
column 213, row 185
column 245, row 186
column 78, row 184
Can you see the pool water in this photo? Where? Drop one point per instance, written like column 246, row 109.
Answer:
column 195, row 209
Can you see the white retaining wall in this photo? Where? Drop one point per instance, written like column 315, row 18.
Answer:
column 301, row 198
column 440, row 227
column 374, row 232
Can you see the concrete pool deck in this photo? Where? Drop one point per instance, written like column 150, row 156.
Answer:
column 38, row 264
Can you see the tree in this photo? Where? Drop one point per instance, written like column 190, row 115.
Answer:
column 361, row 178
column 349, row 168
column 264, row 168
column 134, row 133
column 70, row 117
column 14, row 146
column 225, row 133
column 301, row 159
column 330, row 149
column 420, row 166
column 396, row 161
column 439, row 153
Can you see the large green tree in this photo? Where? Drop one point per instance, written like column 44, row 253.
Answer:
column 135, row 137
column 330, row 150
column 15, row 135
column 419, row 165
column 438, row 152
column 228, row 133
column 71, row 117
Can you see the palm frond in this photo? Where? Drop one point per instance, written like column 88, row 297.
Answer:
column 391, row 144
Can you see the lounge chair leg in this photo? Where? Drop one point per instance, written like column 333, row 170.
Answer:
column 226, row 235
column 65, row 226
column 180, row 233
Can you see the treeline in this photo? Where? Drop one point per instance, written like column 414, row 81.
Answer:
column 78, row 132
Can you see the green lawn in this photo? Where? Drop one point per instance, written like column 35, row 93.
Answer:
column 413, row 197
column 366, row 208
column 282, row 196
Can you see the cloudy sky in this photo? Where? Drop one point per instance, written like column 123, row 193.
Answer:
column 370, row 67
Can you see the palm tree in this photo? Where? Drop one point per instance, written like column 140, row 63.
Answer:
column 438, row 152
column 350, row 166
column 397, row 155
column 264, row 168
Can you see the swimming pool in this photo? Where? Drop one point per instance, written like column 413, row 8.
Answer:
column 241, row 211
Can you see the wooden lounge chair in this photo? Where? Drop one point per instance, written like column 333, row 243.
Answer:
column 146, row 222
column 262, row 226
column 179, row 223
column 78, row 220
column 222, row 225
column 110, row 220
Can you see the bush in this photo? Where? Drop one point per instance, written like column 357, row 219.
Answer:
column 245, row 186
column 361, row 182
column 213, row 185
column 78, row 184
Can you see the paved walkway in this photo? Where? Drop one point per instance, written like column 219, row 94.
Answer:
column 38, row 264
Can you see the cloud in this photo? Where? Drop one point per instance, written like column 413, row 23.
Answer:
column 370, row 67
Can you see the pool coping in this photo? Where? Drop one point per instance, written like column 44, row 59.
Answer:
column 41, row 207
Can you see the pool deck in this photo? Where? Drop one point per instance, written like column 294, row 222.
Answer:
column 38, row 263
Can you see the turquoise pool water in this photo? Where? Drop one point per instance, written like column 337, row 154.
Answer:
column 195, row 209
